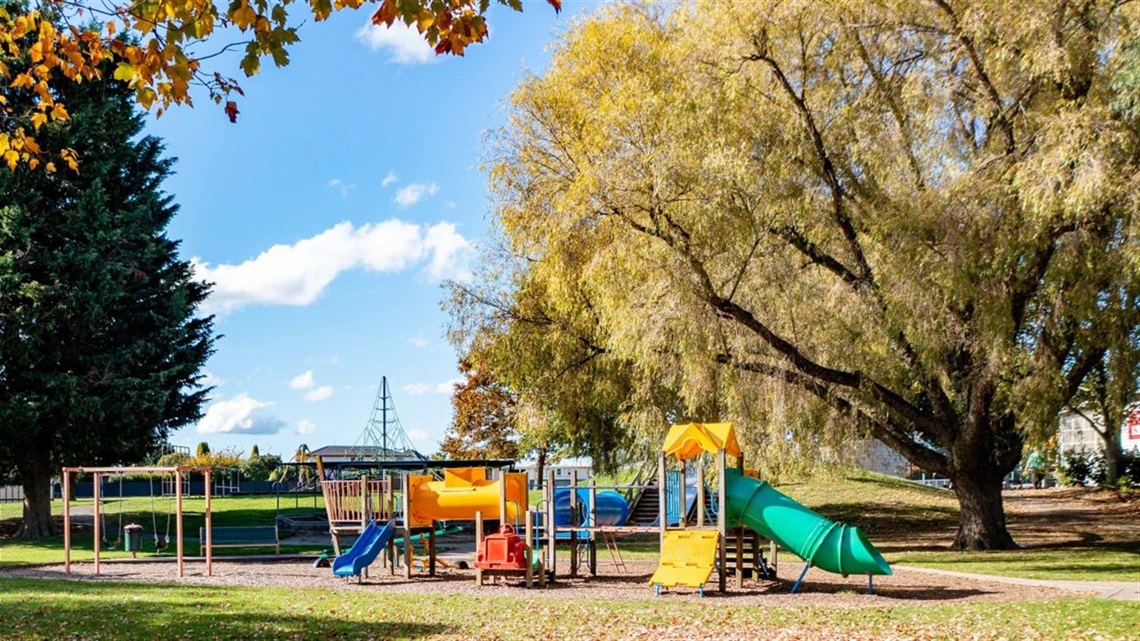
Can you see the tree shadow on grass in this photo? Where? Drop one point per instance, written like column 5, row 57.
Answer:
column 892, row 520
column 52, row 609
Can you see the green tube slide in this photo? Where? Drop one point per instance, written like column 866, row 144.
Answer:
column 827, row 545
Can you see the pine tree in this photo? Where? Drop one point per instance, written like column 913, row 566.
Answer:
column 100, row 347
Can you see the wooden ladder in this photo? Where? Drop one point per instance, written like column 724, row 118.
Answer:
column 610, row 542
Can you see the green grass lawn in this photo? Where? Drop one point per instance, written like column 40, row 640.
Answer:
column 36, row 609
column 1107, row 562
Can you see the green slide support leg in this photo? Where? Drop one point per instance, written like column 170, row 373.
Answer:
column 827, row 545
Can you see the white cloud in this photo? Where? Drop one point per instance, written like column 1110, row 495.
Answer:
column 419, row 389
column 414, row 193
column 305, row 426
column 302, row 381
column 345, row 188
column 419, row 437
column 417, row 342
column 319, row 394
column 389, row 179
column 239, row 415
column 298, row 274
column 450, row 253
column 405, row 45
column 209, row 379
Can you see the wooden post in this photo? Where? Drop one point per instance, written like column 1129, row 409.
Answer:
column 755, row 540
column 209, row 543
column 365, row 512
column 529, row 549
column 97, row 493
column 700, row 491
column 406, row 483
column 593, row 521
column 478, row 546
column 66, row 487
column 503, row 499
column 740, row 557
column 178, row 523
column 389, row 514
column 661, row 496
column 721, row 466
column 773, row 551
column 551, row 529
column 573, row 523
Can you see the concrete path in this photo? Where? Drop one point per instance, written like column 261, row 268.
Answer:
column 1119, row 590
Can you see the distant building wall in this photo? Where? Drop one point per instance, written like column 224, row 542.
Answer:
column 873, row 455
column 1076, row 432
column 561, row 469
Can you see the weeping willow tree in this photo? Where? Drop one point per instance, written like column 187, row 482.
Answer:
column 914, row 214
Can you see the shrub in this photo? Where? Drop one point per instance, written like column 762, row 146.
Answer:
column 261, row 467
column 1130, row 467
column 174, row 459
column 1075, row 468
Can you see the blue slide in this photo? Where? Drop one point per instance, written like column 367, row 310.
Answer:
column 364, row 551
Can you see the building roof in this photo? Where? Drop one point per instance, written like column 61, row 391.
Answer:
column 366, row 453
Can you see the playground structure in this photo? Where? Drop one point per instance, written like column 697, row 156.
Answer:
column 741, row 506
column 179, row 473
column 360, row 507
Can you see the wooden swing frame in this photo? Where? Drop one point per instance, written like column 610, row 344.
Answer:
column 98, row 472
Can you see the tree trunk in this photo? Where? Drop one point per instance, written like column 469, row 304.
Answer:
column 1111, row 440
column 36, row 474
column 541, row 465
column 981, row 521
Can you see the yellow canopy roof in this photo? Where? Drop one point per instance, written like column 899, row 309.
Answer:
column 687, row 441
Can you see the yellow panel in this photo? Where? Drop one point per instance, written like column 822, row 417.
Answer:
column 687, row 441
column 464, row 476
column 432, row 500
column 687, row 559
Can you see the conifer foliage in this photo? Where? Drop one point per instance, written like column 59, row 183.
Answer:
column 100, row 346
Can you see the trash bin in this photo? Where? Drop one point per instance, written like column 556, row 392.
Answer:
column 132, row 537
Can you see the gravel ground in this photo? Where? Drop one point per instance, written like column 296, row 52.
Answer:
column 820, row 589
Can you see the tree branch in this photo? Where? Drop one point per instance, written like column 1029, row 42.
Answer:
column 887, row 431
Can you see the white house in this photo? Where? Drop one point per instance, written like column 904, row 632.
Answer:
column 584, row 467
column 1076, row 432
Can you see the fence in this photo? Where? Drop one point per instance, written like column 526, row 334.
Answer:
column 11, row 493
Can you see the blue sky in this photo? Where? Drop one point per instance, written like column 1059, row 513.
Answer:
column 328, row 216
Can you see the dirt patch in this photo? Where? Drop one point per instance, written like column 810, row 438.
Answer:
column 820, row 588
column 1068, row 516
